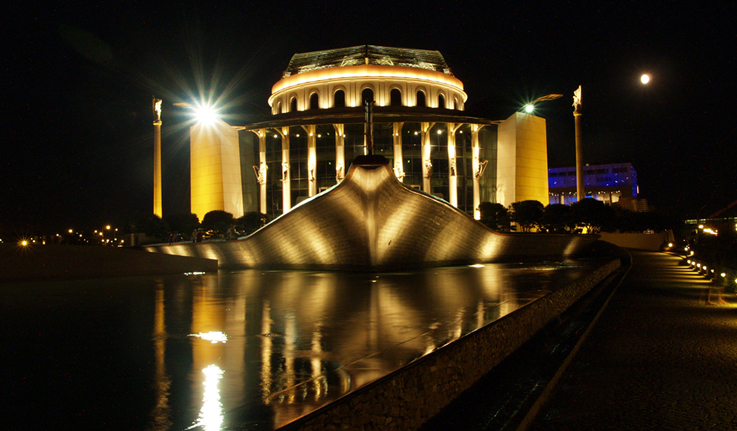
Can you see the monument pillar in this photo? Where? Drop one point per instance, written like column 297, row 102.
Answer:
column 478, row 169
column 157, row 158
column 581, row 194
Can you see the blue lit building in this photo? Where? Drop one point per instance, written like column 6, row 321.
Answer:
column 611, row 183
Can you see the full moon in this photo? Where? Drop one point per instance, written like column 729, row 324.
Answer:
column 645, row 78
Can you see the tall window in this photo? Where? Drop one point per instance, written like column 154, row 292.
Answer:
column 441, row 101
column 314, row 101
column 278, row 107
column 396, row 97
column 421, row 98
column 293, row 105
column 367, row 95
column 339, row 99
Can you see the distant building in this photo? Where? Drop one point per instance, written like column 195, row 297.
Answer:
column 316, row 129
column 611, row 183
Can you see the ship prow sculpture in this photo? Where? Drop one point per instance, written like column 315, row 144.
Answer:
column 370, row 221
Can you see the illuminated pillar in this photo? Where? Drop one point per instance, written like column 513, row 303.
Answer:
column 452, row 168
column 285, row 177
column 339, row 152
column 215, row 174
column 579, row 145
column 478, row 170
column 426, row 162
column 262, row 169
column 311, row 159
column 157, row 158
column 397, row 136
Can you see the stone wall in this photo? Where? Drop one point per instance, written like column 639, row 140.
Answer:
column 410, row 396
column 45, row 262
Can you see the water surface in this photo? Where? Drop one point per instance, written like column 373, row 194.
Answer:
column 238, row 349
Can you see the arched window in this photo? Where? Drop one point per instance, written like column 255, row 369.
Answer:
column 441, row 101
column 421, row 98
column 293, row 105
column 314, row 101
column 339, row 99
column 278, row 107
column 396, row 97
column 455, row 102
column 367, row 95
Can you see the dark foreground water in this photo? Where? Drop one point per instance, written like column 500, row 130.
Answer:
column 234, row 350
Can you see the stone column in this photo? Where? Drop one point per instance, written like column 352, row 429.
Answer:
column 452, row 167
column 340, row 167
column 311, row 131
column 262, row 169
column 426, row 162
column 285, row 177
column 397, row 137
column 477, row 170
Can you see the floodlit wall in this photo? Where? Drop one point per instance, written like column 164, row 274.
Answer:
column 216, row 169
column 522, row 160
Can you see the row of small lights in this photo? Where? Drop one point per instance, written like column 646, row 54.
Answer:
column 28, row 241
column 695, row 264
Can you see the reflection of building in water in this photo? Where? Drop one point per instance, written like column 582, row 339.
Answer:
column 316, row 129
column 290, row 342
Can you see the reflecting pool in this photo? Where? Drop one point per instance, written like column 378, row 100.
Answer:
column 243, row 349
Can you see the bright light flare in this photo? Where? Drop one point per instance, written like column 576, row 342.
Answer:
column 529, row 108
column 645, row 78
column 206, row 114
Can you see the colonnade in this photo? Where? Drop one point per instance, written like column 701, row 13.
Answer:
column 262, row 170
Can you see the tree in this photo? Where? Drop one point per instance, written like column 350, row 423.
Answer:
column 182, row 222
column 592, row 214
column 494, row 215
column 252, row 221
column 148, row 223
column 218, row 220
column 557, row 218
column 528, row 213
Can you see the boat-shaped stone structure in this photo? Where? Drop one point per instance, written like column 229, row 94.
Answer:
column 370, row 221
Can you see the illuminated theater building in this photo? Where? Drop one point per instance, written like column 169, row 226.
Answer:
column 317, row 129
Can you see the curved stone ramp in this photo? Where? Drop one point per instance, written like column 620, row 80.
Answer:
column 371, row 221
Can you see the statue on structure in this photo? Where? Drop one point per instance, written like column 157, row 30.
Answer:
column 428, row 166
column 399, row 172
column 482, row 167
column 260, row 173
column 577, row 101
column 452, row 166
column 339, row 172
column 285, row 171
column 157, row 109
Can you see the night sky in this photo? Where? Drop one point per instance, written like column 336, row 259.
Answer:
column 78, row 82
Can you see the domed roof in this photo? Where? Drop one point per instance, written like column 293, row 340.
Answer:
column 367, row 54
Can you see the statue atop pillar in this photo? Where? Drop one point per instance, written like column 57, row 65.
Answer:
column 157, row 110
column 577, row 101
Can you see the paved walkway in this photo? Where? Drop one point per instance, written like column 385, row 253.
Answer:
column 659, row 357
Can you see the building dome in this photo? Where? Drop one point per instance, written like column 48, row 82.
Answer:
column 346, row 77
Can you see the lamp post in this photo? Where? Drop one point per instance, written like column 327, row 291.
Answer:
column 530, row 107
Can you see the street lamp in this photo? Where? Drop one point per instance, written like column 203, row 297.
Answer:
column 530, row 107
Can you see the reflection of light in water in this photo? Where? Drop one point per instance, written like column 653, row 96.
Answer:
column 211, row 414
column 478, row 265
column 212, row 336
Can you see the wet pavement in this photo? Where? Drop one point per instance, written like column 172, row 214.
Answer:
column 660, row 357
